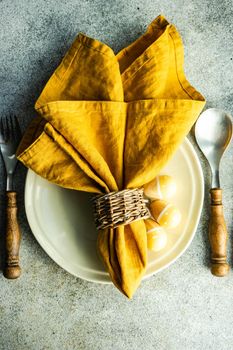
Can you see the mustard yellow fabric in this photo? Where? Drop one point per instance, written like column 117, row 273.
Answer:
column 107, row 122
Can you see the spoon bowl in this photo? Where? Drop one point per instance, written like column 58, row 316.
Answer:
column 213, row 132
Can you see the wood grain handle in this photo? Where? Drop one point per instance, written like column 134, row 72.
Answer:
column 12, row 269
column 218, row 235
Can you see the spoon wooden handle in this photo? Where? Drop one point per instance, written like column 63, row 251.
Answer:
column 12, row 269
column 218, row 235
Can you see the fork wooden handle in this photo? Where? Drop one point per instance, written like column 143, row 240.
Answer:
column 218, row 235
column 12, row 269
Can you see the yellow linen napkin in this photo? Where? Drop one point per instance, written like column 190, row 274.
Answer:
column 107, row 122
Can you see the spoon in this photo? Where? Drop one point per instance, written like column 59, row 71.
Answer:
column 213, row 132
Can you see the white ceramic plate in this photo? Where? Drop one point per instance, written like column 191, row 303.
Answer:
column 62, row 222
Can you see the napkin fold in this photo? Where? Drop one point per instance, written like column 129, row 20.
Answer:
column 107, row 122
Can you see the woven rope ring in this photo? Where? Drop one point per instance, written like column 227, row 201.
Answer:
column 119, row 208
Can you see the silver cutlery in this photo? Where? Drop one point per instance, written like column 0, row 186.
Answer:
column 10, row 136
column 213, row 132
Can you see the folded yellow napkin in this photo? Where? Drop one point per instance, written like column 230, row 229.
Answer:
column 107, row 122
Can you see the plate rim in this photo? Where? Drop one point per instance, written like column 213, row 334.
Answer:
column 57, row 259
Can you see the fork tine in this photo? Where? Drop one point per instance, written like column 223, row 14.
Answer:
column 10, row 123
column 1, row 126
column 4, row 129
column 16, row 128
column 10, row 129
column 1, row 131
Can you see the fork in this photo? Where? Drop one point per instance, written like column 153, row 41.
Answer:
column 10, row 136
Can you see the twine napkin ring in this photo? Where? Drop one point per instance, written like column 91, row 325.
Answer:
column 119, row 208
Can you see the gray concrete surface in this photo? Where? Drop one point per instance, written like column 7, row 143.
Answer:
column 184, row 307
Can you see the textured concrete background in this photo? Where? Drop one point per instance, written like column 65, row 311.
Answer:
column 183, row 307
